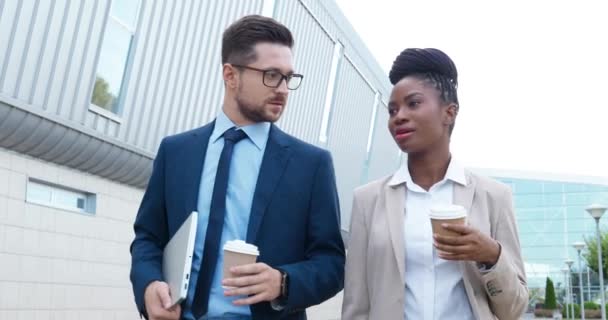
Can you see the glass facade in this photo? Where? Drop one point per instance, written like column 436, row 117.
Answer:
column 551, row 217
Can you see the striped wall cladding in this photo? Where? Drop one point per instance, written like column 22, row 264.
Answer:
column 329, row 14
column 176, row 78
column 385, row 156
column 349, row 129
column 313, row 52
column 49, row 51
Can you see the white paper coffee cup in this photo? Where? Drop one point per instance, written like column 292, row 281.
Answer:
column 238, row 253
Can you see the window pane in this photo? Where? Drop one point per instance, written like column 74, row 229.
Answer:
column 80, row 203
column 69, row 199
column 125, row 11
column 60, row 197
column 38, row 193
column 111, row 67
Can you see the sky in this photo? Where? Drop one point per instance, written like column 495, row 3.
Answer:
column 533, row 75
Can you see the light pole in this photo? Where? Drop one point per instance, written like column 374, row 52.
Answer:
column 569, row 263
column 580, row 246
column 588, row 284
column 566, row 285
column 597, row 211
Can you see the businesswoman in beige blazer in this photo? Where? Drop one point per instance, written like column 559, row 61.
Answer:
column 396, row 268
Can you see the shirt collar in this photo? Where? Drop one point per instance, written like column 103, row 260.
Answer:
column 257, row 132
column 455, row 173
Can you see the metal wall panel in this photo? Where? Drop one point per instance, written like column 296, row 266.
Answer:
column 49, row 52
column 34, row 40
column 17, row 14
column 48, row 60
column 333, row 20
column 176, row 78
column 44, row 138
column 56, row 98
column 313, row 53
column 385, row 155
column 349, row 130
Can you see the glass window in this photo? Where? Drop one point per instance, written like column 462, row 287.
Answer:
column 575, row 187
column 528, row 201
column 597, row 188
column 573, row 199
column 125, row 11
column 529, row 187
column 554, row 199
column 598, row 197
column 553, row 187
column 114, row 55
column 530, row 214
column 39, row 192
column 59, row 197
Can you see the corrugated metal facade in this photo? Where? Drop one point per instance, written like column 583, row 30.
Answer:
column 176, row 76
column 313, row 54
column 383, row 149
column 349, row 129
column 48, row 55
column 49, row 51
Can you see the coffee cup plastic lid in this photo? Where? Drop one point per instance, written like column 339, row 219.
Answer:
column 447, row 211
column 241, row 246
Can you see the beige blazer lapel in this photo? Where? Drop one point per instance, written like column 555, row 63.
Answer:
column 395, row 209
column 463, row 195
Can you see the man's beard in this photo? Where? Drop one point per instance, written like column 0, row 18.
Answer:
column 254, row 113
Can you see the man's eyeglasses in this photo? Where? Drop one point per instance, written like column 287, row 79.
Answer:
column 272, row 78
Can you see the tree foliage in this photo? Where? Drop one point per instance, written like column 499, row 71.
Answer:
column 590, row 254
column 550, row 301
column 102, row 96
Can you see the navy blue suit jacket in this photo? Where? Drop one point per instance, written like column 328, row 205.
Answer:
column 294, row 220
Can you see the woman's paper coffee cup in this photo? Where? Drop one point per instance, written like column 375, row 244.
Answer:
column 451, row 214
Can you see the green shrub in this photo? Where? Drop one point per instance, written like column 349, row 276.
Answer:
column 550, row 301
column 544, row 313
column 577, row 310
column 590, row 305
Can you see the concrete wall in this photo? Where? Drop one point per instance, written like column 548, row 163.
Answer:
column 66, row 265
column 59, row 264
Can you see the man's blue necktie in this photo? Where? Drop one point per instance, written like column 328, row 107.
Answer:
column 216, row 224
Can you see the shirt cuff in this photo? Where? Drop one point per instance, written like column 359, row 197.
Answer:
column 486, row 268
column 276, row 305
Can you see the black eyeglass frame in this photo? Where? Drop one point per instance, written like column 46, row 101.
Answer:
column 287, row 78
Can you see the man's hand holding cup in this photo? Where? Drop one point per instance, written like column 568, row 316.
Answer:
column 257, row 282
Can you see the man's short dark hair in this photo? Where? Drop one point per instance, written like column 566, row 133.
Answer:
column 240, row 38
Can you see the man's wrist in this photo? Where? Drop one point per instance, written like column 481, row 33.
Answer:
column 284, row 286
column 280, row 301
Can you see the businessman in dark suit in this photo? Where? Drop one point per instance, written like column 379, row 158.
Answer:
column 248, row 180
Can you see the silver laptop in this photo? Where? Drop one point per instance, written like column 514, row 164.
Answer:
column 177, row 259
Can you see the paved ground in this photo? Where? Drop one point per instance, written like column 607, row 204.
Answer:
column 330, row 310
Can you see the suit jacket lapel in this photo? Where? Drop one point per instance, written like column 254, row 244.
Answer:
column 395, row 209
column 192, row 169
column 464, row 196
column 274, row 162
